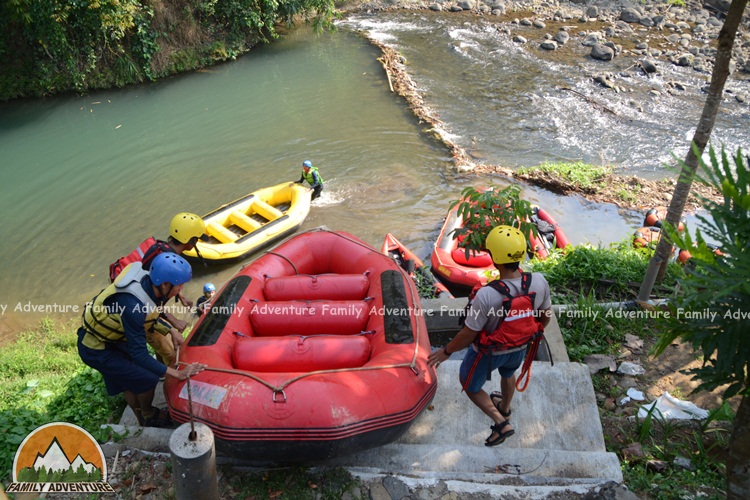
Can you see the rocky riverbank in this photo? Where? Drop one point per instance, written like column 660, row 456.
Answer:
column 646, row 36
column 652, row 33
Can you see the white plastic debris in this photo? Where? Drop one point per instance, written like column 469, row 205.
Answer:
column 635, row 394
column 624, row 401
column 628, row 368
column 671, row 408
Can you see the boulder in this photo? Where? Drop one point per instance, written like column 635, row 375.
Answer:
column 602, row 52
column 630, row 15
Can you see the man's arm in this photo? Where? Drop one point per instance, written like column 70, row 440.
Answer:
column 463, row 339
column 545, row 316
column 133, row 323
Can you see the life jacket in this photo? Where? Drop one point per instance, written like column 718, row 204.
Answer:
column 136, row 255
column 518, row 324
column 518, row 330
column 103, row 326
column 157, row 248
column 310, row 177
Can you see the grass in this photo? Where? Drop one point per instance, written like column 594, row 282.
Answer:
column 588, row 328
column 610, row 273
column 579, row 174
column 681, row 459
column 43, row 380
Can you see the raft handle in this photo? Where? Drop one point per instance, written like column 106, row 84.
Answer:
column 277, row 391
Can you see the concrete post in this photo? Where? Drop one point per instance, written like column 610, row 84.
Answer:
column 194, row 463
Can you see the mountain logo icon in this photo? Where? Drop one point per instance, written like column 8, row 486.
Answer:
column 59, row 457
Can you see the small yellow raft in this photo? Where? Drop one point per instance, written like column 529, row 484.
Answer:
column 253, row 221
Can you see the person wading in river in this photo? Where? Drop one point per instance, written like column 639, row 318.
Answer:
column 311, row 175
column 112, row 338
column 487, row 313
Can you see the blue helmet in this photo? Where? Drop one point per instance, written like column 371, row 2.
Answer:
column 307, row 163
column 209, row 287
column 169, row 267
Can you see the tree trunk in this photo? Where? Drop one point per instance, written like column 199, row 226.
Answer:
column 658, row 264
column 738, row 461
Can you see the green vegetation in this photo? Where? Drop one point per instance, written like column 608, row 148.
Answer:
column 610, row 273
column 51, row 47
column 480, row 210
column 697, row 446
column 425, row 282
column 43, row 380
column 586, row 276
column 580, row 175
column 718, row 282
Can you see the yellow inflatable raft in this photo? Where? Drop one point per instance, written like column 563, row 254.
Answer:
column 253, row 221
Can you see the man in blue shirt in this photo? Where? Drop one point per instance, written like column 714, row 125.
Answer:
column 112, row 339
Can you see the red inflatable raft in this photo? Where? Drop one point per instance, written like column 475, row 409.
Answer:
column 460, row 274
column 413, row 265
column 316, row 349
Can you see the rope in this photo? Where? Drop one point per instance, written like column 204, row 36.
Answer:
column 526, row 368
column 286, row 259
column 304, row 375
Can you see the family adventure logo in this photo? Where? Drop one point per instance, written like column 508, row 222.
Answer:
column 59, row 458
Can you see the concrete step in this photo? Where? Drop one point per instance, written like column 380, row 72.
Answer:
column 558, row 436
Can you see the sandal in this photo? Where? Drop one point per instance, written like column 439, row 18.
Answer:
column 160, row 418
column 501, row 436
column 499, row 397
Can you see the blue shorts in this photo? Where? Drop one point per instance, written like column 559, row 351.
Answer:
column 505, row 364
column 119, row 372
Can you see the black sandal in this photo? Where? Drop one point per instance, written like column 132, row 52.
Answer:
column 499, row 397
column 501, row 436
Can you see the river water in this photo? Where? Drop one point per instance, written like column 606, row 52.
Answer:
column 84, row 179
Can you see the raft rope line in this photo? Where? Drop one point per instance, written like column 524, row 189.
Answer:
column 286, row 259
column 280, row 388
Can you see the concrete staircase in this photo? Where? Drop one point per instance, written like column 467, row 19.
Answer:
column 558, row 444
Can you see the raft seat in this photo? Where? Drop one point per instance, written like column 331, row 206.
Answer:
column 300, row 353
column 241, row 220
column 264, row 209
column 309, row 317
column 221, row 233
column 317, row 287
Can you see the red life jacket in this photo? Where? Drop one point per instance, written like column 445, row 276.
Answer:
column 135, row 256
column 518, row 322
column 518, row 328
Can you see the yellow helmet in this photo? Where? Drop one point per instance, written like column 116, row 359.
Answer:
column 506, row 244
column 186, row 226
